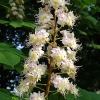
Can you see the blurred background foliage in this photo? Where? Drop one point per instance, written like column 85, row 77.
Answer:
column 14, row 34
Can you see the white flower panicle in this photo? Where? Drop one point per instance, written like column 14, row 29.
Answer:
column 17, row 9
column 60, row 48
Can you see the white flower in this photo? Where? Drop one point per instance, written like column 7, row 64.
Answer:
column 74, row 90
column 35, row 53
column 66, row 64
column 13, row 4
column 30, row 64
column 61, row 16
column 44, row 16
column 58, row 54
column 40, row 37
column 62, row 84
column 31, row 78
column 16, row 92
column 69, row 39
column 71, row 54
column 57, row 3
column 39, row 70
column 49, row 48
column 23, row 86
column 71, row 18
column 65, row 18
column 56, row 80
column 69, row 68
column 35, row 72
column 13, row 8
column 65, row 33
column 37, row 96
column 26, row 69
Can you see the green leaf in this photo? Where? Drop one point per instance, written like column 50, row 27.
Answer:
column 19, row 68
column 84, row 13
column 1, row 49
column 56, row 96
column 4, row 96
column 4, row 22
column 28, row 24
column 16, row 24
column 2, row 45
column 9, row 58
column 95, row 46
column 17, row 52
column 8, row 96
column 81, row 32
column 7, row 47
column 90, row 1
column 6, row 7
column 83, row 95
column 7, row 67
column 92, row 20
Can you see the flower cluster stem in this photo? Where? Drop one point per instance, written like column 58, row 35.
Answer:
column 49, row 76
column 51, row 62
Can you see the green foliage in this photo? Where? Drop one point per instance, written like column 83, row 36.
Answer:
column 16, row 24
column 92, row 20
column 8, row 96
column 81, row 32
column 84, row 95
column 56, row 96
column 10, row 56
column 90, row 1
column 95, row 46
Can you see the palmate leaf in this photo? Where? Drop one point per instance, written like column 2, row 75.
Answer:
column 4, row 22
column 81, row 32
column 10, row 56
column 92, row 20
column 10, row 48
column 83, row 95
column 16, row 24
column 56, row 96
column 90, row 1
column 95, row 46
column 7, row 96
